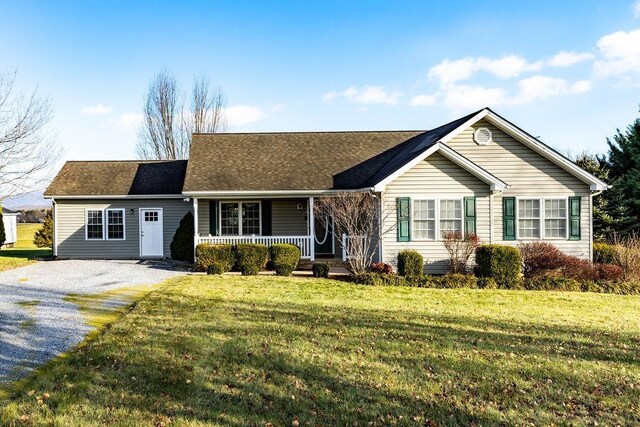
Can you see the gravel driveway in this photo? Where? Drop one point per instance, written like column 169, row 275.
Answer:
column 36, row 323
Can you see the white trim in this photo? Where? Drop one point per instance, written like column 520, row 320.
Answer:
column 118, row 196
column 140, row 220
column 86, row 223
column 54, row 207
column 542, row 218
column 106, row 223
column 595, row 183
column 590, row 226
column 312, row 230
column 437, row 218
column 240, row 203
column 495, row 183
column 273, row 193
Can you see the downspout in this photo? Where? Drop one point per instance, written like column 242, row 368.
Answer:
column 54, row 208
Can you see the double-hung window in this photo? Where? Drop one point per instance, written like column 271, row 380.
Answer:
column 555, row 218
column 434, row 217
column 424, row 219
column 239, row 218
column 529, row 218
column 450, row 216
column 104, row 224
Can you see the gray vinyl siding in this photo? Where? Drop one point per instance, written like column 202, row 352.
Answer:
column 435, row 177
column 529, row 175
column 70, row 232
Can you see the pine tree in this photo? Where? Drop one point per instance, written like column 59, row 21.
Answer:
column 44, row 237
column 182, row 243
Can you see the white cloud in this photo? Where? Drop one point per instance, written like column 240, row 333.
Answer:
column 239, row 115
column 365, row 96
column 424, row 100
column 567, row 59
column 543, row 87
column 96, row 109
column 466, row 97
column 636, row 9
column 449, row 72
column 621, row 52
column 126, row 121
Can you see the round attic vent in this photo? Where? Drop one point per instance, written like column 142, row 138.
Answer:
column 482, row 136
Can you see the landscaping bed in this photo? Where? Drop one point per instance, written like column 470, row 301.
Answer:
column 231, row 350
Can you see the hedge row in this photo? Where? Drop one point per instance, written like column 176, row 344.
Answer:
column 247, row 258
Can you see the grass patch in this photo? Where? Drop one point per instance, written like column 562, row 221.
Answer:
column 14, row 258
column 29, row 304
column 26, row 231
column 228, row 350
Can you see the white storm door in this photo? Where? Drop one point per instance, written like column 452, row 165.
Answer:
column 151, row 244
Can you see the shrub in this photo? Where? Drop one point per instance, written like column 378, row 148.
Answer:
column 612, row 287
column 460, row 248
column 429, row 281
column 215, row 268
column 381, row 268
column 320, row 269
column 284, row 258
column 609, row 271
column 500, row 262
column 251, row 257
column 457, row 281
column 410, row 263
column 628, row 255
column 578, row 268
column 539, row 258
column 384, row 279
column 486, row 283
column 207, row 255
column 43, row 238
column 605, row 254
column 551, row 283
column 182, row 243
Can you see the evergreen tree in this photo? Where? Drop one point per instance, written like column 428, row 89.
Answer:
column 44, row 237
column 182, row 243
column 624, row 170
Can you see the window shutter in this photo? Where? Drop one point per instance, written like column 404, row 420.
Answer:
column 403, row 205
column 266, row 218
column 509, row 218
column 574, row 218
column 213, row 217
column 470, row 215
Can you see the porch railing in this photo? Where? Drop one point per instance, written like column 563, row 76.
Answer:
column 303, row 242
column 346, row 245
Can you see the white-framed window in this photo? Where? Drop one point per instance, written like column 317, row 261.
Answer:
column 424, row 219
column 94, row 224
column 240, row 218
column 115, row 224
column 431, row 217
column 555, row 218
column 105, row 224
column 529, row 218
column 450, row 216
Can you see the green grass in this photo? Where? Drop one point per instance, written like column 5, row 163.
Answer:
column 204, row 350
column 25, row 252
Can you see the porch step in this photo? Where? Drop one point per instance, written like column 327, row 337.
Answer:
column 305, row 264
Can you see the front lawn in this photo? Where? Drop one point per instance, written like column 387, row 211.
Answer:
column 231, row 350
column 26, row 231
column 14, row 258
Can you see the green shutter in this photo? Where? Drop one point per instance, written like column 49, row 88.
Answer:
column 213, row 217
column 403, row 205
column 574, row 218
column 509, row 218
column 470, row 215
column 266, row 217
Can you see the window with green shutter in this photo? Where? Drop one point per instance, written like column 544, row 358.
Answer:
column 509, row 218
column 213, row 218
column 403, row 205
column 574, row 218
column 470, row 215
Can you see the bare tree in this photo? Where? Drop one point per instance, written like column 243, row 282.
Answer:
column 169, row 123
column 27, row 148
column 358, row 215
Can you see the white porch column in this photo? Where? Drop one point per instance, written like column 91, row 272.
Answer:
column 195, row 226
column 312, row 231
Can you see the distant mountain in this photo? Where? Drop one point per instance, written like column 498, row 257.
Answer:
column 26, row 201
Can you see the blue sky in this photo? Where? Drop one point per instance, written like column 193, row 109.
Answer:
column 568, row 74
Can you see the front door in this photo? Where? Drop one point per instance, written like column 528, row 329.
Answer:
column 323, row 237
column 151, row 242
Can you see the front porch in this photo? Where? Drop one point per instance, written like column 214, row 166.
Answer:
column 265, row 221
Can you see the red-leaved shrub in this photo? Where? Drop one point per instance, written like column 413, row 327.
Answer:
column 578, row 268
column 540, row 258
column 381, row 268
column 609, row 271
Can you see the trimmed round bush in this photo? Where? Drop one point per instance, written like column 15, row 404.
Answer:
column 410, row 263
column 284, row 258
column 486, row 283
column 207, row 254
column 605, row 254
column 251, row 257
column 215, row 268
column 320, row 269
column 500, row 262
